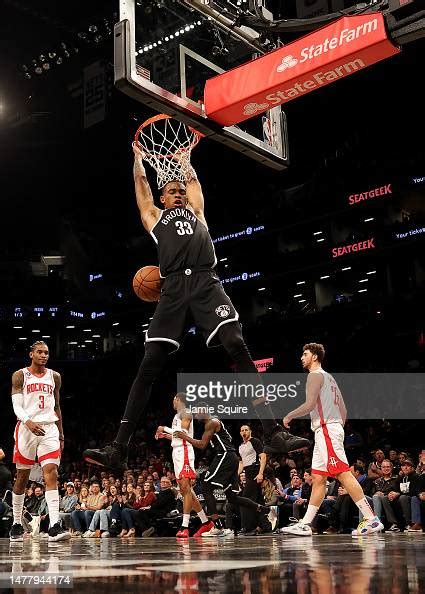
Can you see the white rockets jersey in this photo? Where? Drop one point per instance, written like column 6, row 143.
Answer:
column 39, row 396
column 177, row 426
column 327, row 409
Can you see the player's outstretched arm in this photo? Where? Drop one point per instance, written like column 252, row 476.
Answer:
column 194, row 194
column 149, row 213
column 313, row 386
column 210, row 428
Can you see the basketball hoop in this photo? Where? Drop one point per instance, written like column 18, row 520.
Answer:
column 166, row 145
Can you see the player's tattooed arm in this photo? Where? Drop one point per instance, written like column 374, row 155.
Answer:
column 149, row 213
column 18, row 404
column 211, row 427
column 58, row 383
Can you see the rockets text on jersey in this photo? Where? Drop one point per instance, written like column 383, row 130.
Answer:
column 39, row 396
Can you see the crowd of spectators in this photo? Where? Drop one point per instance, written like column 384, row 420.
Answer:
column 98, row 503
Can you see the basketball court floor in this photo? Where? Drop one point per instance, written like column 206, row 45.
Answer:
column 392, row 563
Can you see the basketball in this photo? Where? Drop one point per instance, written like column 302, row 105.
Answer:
column 146, row 283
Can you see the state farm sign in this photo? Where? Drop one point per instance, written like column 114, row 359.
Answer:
column 347, row 45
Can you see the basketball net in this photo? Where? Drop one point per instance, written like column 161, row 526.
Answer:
column 167, row 145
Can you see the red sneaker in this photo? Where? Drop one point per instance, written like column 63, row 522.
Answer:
column 183, row 533
column 204, row 528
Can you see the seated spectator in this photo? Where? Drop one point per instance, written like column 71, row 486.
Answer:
column 420, row 468
column 374, row 470
column 67, row 505
column 293, row 472
column 164, row 503
column 402, row 456
column 77, row 486
column 101, row 516
column 145, row 498
column 399, row 500
column 131, row 495
column 289, row 496
column 393, row 458
column 300, row 505
column 383, row 486
column 38, row 507
column 418, row 505
column 156, row 482
column 83, row 513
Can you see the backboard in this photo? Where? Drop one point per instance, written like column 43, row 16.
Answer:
column 165, row 50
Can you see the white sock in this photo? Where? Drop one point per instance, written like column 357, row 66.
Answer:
column 365, row 508
column 18, row 506
column 202, row 516
column 309, row 514
column 52, row 500
column 186, row 518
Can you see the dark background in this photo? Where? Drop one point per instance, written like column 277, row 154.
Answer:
column 68, row 190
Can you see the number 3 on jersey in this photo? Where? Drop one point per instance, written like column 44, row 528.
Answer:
column 41, row 401
column 183, row 228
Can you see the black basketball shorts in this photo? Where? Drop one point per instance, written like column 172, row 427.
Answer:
column 223, row 472
column 190, row 298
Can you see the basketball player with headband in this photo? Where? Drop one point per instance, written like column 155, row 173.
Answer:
column 39, row 432
column 191, row 288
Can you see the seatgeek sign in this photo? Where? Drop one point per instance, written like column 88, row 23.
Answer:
column 344, row 47
column 368, row 194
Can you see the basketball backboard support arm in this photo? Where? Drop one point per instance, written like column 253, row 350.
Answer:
column 129, row 81
column 242, row 33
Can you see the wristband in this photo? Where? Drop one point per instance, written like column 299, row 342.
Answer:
column 168, row 430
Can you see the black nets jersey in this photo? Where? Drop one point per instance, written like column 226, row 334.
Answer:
column 183, row 241
column 221, row 441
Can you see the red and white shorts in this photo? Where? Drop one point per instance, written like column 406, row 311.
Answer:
column 184, row 461
column 329, row 456
column 29, row 446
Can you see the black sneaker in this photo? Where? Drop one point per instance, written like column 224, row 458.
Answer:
column 17, row 533
column 283, row 442
column 113, row 455
column 58, row 532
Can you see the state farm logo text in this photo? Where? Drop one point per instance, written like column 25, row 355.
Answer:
column 309, row 53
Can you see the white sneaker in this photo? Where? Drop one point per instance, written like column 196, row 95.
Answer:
column 213, row 532
column 228, row 532
column 298, row 529
column 43, row 535
column 368, row 527
column 89, row 534
column 105, row 534
column 273, row 516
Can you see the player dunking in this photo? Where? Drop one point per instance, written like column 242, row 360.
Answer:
column 222, row 472
column 184, row 463
column 328, row 414
column 190, row 288
column 39, row 432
